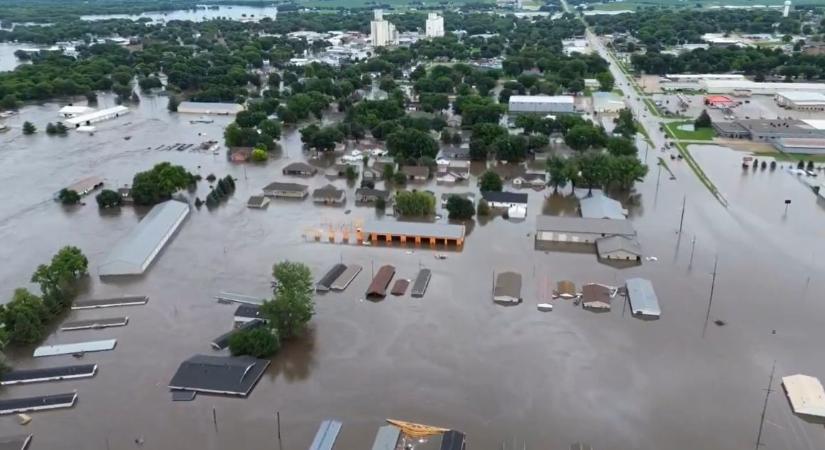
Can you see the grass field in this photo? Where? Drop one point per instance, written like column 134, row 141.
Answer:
column 701, row 134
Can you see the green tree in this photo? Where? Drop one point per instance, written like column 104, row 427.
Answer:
column 173, row 104
column 483, row 208
column 582, row 137
column 108, row 198
column 158, row 184
column 9, row 101
column 557, row 170
column 625, row 124
column 593, row 168
column 68, row 197
column 24, row 317
column 409, row 143
column 626, row 170
column 259, row 155
column 292, row 307
column 703, row 121
column 460, row 208
column 260, row 342
column 606, row 81
column 414, row 203
column 29, row 128
column 351, row 173
column 490, row 182
column 619, row 146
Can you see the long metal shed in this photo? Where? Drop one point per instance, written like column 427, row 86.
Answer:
column 24, row 376
column 378, row 286
column 78, row 347
column 133, row 300
column 133, row 254
column 222, row 341
column 387, row 438
column 326, row 435
column 95, row 324
column 453, row 440
column 346, row 277
column 326, row 281
column 40, row 403
column 422, row 280
column 643, row 300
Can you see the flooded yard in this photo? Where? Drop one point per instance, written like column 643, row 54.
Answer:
column 451, row 358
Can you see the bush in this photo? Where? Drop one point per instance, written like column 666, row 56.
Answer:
column 259, row 155
column 173, row 104
column 483, row 208
column 414, row 203
column 460, row 208
column 68, row 197
column 29, row 128
column 351, row 173
column 108, row 199
column 259, row 342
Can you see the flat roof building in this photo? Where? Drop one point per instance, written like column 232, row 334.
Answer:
column 422, row 280
column 286, row 190
column 96, row 116
column 418, row 232
column 737, row 87
column 326, row 435
column 805, row 146
column 346, row 277
column 580, row 229
column 228, row 375
column 600, row 206
column 541, row 104
column 507, row 288
column 801, row 100
column 619, row 248
column 95, row 324
column 134, row 300
column 326, row 281
column 78, row 347
column 805, row 394
column 643, row 300
column 597, row 296
column 133, row 254
column 70, row 111
column 257, row 202
column 220, row 109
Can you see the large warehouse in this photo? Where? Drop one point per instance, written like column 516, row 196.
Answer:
column 133, row 254
column 747, row 87
column 801, row 101
column 541, row 104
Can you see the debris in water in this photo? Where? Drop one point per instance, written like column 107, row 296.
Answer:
column 720, row 323
column 651, row 258
column 24, row 419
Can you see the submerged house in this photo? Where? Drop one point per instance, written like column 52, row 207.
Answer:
column 597, row 296
column 507, row 288
column 329, row 195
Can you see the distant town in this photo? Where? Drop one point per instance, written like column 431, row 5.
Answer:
column 415, row 225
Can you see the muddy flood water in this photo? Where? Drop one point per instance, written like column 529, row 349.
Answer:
column 453, row 358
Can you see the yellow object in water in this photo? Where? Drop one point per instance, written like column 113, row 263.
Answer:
column 416, row 429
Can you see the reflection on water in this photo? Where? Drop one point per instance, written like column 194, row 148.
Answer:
column 7, row 59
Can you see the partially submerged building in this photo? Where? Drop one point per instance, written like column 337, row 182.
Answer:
column 507, row 288
column 25, row 376
column 806, row 395
column 286, row 190
column 453, row 440
column 257, row 202
column 16, row 442
column 642, row 297
column 369, row 195
column 329, row 195
column 95, row 324
column 83, row 186
column 378, row 287
column 332, row 274
column 69, row 111
column 326, row 435
column 597, row 296
column 40, row 403
column 400, row 287
column 619, row 248
column 417, row 232
column 531, row 179
column 96, row 116
column 387, row 438
column 214, row 108
column 247, row 313
column 600, row 206
column 566, row 289
column 75, row 348
column 346, row 277
column 133, row 254
column 801, row 101
column 228, row 375
column 416, row 173
column 422, row 280
column 299, row 169
column 580, row 229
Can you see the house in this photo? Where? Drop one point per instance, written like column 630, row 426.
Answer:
column 619, row 248
column 504, row 199
column 340, row 168
column 597, row 296
column 452, row 171
column 458, row 153
column 240, row 154
column 300, row 169
column 565, row 289
column 416, row 173
column 371, row 174
column 367, row 195
column 286, row 190
column 329, row 195
column 380, row 163
column 533, row 180
column 257, row 202
column 507, row 289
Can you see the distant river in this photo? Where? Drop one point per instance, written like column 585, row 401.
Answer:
column 7, row 59
column 197, row 15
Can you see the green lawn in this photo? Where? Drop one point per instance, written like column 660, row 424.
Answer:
column 701, row 134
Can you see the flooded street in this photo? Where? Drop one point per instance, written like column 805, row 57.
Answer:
column 452, row 358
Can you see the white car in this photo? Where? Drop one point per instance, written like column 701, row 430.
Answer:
column 378, row 152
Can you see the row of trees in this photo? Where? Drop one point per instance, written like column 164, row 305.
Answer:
column 252, row 128
column 222, row 190
column 595, row 169
column 286, row 314
column 26, row 317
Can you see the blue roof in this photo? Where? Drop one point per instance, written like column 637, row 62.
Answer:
column 326, row 435
column 386, row 438
column 643, row 300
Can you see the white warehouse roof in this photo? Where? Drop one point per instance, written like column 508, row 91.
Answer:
column 541, row 99
column 97, row 116
column 803, row 96
column 133, row 254
column 727, row 86
column 78, row 347
column 805, row 394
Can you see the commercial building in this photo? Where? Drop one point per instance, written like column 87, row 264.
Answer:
column 219, row 109
column 41, row 403
column 580, row 229
column 25, row 376
column 67, row 112
column 76, row 348
column 801, row 101
column 619, row 248
column 507, row 289
column 422, row 280
column 747, row 87
column 720, row 101
column 417, row 232
column 607, row 102
column 416, row 173
column 299, row 169
column 133, row 254
column 435, row 25
column 286, row 190
column 541, row 104
column 235, row 375
column 772, row 129
column 382, row 32
column 380, row 282
column 643, row 300
column 329, row 195
column 805, row 394
column 96, row 116
column 804, row 146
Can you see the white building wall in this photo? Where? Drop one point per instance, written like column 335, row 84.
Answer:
column 435, row 25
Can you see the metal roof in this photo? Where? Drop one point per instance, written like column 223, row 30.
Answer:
column 805, row 394
column 47, row 374
column 585, row 225
column 299, row 167
column 452, row 440
column 386, row 438
column 326, row 281
column 422, row 280
column 378, row 286
column 16, row 442
column 235, row 375
column 643, row 300
column 504, row 197
column 508, row 284
column 290, row 187
column 97, row 115
column 602, row 207
column 133, row 253
column 346, row 277
column 421, row 229
column 611, row 244
column 248, row 311
column 541, row 99
column 95, row 323
column 400, row 286
column 79, row 347
column 19, row 405
column 222, row 341
column 326, row 435
column 111, row 302
column 329, row 191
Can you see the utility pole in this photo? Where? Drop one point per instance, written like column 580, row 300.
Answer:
column 710, row 299
column 215, row 419
column 278, row 419
column 682, row 219
column 765, row 406
column 692, row 249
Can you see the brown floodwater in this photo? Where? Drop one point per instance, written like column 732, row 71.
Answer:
column 453, row 358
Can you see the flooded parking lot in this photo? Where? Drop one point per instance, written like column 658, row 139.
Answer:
column 452, row 358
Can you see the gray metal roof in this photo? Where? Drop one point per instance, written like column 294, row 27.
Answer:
column 346, row 277
column 612, row 244
column 16, row 442
column 585, row 225
column 602, row 207
column 219, row 374
column 422, row 280
column 508, row 284
column 386, row 438
column 210, row 107
column 133, row 254
column 643, row 300
column 424, row 230
column 79, row 347
column 291, row 187
column 326, row 435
